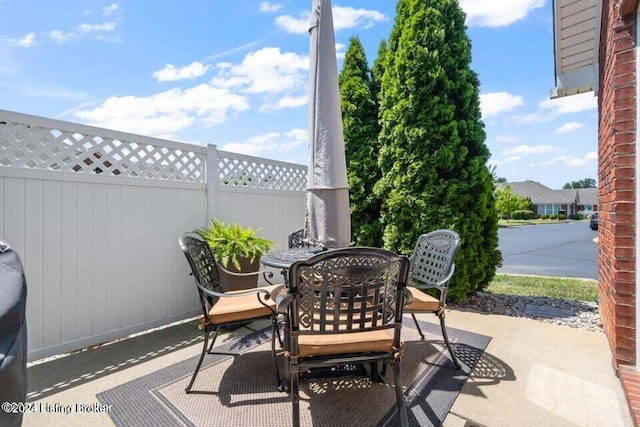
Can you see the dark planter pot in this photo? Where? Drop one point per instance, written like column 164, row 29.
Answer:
column 236, row 283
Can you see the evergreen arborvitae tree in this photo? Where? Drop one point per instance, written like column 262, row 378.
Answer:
column 360, row 122
column 433, row 157
column 377, row 72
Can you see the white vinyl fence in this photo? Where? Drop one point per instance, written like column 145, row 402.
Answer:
column 95, row 216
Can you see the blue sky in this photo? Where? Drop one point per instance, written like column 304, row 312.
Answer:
column 235, row 74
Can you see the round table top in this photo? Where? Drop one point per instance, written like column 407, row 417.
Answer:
column 283, row 258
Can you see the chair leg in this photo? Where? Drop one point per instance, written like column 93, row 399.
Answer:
column 446, row 340
column 383, row 373
column 417, row 325
column 274, row 328
column 213, row 340
column 204, row 351
column 402, row 405
column 295, row 399
column 278, row 330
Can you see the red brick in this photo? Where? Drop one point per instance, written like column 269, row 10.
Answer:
column 623, row 147
column 627, row 322
column 626, row 311
column 625, row 276
column 626, row 289
column 623, row 160
column 625, row 207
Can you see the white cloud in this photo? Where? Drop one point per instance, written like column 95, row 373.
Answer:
column 60, row 37
column 493, row 13
column 570, row 104
column 105, row 31
column 269, row 7
column 343, row 18
column 266, row 71
column 166, row 112
column 272, row 142
column 110, row 10
column 170, row 73
column 349, row 17
column 507, row 138
column 286, row 102
column 569, row 127
column 293, row 25
column 573, row 161
column 492, row 104
column 90, row 28
column 526, row 150
column 281, row 77
column 26, row 41
column 341, row 50
column 549, row 109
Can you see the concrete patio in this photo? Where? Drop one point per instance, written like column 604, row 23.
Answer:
column 531, row 374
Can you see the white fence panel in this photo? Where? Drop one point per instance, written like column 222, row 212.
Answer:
column 259, row 193
column 101, row 261
column 95, row 216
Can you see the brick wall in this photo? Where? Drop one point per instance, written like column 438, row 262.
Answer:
column 616, row 180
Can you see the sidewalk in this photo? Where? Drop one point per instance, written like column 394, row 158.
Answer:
column 538, row 374
column 532, row 374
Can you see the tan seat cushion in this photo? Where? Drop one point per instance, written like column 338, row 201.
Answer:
column 356, row 342
column 245, row 307
column 421, row 301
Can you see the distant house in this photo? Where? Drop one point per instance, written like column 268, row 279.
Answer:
column 546, row 201
column 585, row 199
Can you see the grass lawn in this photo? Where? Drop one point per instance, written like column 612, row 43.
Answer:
column 574, row 289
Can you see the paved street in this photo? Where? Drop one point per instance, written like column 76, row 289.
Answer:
column 560, row 250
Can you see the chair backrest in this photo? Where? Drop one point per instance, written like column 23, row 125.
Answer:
column 348, row 290
column 433, row 257
column 296, row 239
column 203, row 267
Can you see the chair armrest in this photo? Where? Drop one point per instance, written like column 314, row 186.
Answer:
column 441, row 284
column 283, row 303
column 253, row 273
column 255, row 291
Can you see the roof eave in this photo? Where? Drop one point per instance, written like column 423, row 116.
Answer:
column 574, row 80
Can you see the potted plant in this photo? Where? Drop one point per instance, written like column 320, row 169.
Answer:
column 237, row 249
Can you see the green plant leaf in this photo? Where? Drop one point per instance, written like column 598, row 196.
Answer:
column 231, row 242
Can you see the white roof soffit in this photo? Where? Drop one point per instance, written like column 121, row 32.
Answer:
column 576, row 43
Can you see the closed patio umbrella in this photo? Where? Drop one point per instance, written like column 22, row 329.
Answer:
column 327, row 221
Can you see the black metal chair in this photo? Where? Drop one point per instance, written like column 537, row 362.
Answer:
column 296, row 239
column 226, row 308
column 345, row 307
column 432, row 265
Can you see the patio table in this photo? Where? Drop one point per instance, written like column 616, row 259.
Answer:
column 284, row 258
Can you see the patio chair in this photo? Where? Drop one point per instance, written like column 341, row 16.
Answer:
column 225, row 308
column 344, row 307
column 296, row 239
column 432, row 265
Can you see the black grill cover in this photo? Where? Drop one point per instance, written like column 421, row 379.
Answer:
column 13, row 333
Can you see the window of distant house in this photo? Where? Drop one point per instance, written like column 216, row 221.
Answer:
column 589, row 208
column 548, row 209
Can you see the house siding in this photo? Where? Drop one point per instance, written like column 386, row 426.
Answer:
column 616, row 181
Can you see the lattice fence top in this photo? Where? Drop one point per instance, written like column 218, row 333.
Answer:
column 251, row 172
column 32, row 146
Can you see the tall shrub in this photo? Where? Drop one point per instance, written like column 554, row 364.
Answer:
column 433, row 156
column 360, row 121
column 376, row 74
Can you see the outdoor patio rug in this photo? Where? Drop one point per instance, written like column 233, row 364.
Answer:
column 241, row 390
